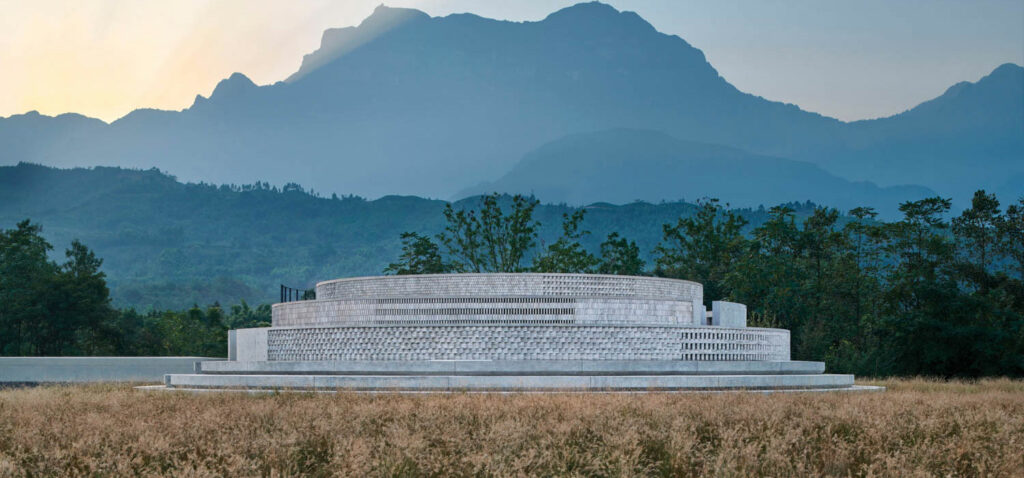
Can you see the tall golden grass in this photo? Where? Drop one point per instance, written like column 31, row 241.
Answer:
column 917, row 428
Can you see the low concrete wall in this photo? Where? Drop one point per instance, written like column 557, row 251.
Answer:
column 728, row 314
column 94, row 369
column 248, row 345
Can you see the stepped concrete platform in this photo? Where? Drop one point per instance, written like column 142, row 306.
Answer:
column 514, row 367
column 259, row 391
column 512, row 375
column 508, row 333
column 510, row 382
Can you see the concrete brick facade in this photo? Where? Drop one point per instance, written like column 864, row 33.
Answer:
column 510, row 332
column 482, row 310
column 509, row 285
column 515, row 317
column 498, row 299
column 549, row 342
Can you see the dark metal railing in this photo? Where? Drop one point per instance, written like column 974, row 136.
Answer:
column 291, row 294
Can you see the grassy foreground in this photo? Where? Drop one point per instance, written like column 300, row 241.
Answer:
column 917, row 428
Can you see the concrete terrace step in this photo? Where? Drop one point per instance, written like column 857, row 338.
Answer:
column 258, row 391
column 510, row 382
column 516, row 367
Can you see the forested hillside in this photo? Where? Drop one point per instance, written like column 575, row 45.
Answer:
column 168, row 244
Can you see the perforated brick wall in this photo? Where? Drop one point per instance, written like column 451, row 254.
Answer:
column 549, row 342
column 482, row 310
column 510, row 285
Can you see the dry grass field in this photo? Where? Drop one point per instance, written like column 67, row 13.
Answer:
column 917, row 428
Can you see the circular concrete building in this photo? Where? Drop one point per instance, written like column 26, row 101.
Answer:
column 509, row 332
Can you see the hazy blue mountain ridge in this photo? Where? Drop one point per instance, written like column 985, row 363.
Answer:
column 969, row 137
column 337, row 42
column 405, row 103
column 590, row 167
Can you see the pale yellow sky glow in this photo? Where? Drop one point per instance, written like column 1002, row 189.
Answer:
column 850, row 60
column 106, row 58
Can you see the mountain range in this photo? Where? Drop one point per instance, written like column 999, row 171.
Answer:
column 441, row 106
column 168, row 244
column 590, row 167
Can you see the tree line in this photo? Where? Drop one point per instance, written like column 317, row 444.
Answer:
column 492, row 240
column 917, row 296
column 922, row 295
column 63, row 309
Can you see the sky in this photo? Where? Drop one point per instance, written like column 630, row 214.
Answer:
column 846, row 59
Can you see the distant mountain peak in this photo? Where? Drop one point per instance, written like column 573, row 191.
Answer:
column 403, row 102
column 232, row 87
column 1007, row 69
column 234, row 84
column 1009, row 75
column 35, row 116
column 596, row 14
column 336, row 42
column 387, row 16
column 1002, row 88
column 590, row 9
column 595, row 19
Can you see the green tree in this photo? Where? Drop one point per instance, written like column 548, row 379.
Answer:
column 243, row 316
column 491, row 240
column 977, row 229
column 1011, row 237
column 921, row 248
column 866, row 238
column 825, row 303
column 488, row 240
column 420, row 255
column 620, row 256
column 923, row 299
column 857, row 337
column 80, row 305
column 46, row 308
column 26, row 275
column 702, row 248
column 766, row 274
column 567, row 255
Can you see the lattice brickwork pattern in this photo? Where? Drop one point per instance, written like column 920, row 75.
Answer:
column 510, row 285
column 549, row 342
column 481, row 310
column 716, row 343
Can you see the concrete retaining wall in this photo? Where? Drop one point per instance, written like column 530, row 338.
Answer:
column 94, row 369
